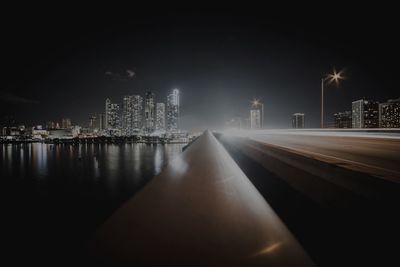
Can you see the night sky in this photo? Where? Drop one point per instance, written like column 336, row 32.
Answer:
column 66, row 62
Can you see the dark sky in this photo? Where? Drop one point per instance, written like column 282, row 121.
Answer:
column 67, row 61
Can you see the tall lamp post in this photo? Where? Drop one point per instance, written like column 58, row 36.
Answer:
column 256, row 103
column 332, row 77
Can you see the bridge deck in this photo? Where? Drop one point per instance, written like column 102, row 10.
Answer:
column 376, row 154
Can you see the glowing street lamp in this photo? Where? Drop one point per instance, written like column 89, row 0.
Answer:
column 256, row 103
column 335, row 77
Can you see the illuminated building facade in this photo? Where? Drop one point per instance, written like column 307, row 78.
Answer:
column 112, row 117
column 160, row 117
column 132, row 115
column 149, row 112
column 298, row 121
column 173, row 111
column 343, row 119
column 66, row 123
column 255, row 119
column 365, row 114
column 389, row 114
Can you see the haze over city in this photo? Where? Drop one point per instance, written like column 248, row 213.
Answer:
column 220, row 60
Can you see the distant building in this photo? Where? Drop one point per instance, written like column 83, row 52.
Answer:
column 257, row 105
column 173, row 111
column 255, row 119
column 14, row 131
column 132, row 121
column 389, row 114
column 137, row 114
column 50, row 125
column 149, row 112
column 66, row 123
column 246, row 123
column 343, row 119
column 38, row 133
column 160, row 117
column 235, row 123
column 92, row 122
column 75, row 131
column 60, row 133
column 365, row 114
column 102, row 121
column 298, row 121
column 127, row 115
column 112, row 117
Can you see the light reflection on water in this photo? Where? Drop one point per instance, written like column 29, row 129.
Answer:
column 109, row 162
column 104, row 172
column 59, row 194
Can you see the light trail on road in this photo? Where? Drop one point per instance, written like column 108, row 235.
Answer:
column 373, row 153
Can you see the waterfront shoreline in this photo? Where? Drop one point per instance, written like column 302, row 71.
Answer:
column 105, row 140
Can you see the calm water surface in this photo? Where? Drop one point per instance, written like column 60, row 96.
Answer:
column 54, row 196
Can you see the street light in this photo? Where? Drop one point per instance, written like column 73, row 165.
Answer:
column 335, row 77
column 255, row 103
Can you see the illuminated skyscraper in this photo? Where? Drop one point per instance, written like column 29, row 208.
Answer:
column 149, row 112
column 257, row 105
column 298, row 121
column 112, row 115
column 365, row 114
column 343, row 119
column 160, row 117
column 132, row 114
column 389, row 114
column 107, row 113
column 127, row 115
column 92, row 122
column 173, row 111
column 102, row 122
column 137, row 114
column 255, row 119
column 66, row 123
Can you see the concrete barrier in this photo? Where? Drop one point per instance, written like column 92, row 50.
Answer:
column 200, row 211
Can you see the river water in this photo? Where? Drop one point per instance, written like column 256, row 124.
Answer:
column 53, row 197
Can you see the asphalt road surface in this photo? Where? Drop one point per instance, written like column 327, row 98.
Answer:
column 376, row 154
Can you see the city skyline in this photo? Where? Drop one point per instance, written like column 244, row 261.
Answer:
column 129, row 118
column 233, row 57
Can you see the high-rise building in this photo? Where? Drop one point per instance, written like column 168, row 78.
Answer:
column 255, row 119
column 107, row 113
column 112, row 117
column 50, row 125
column 256, row 104
column 127, row 115
column 365, row 114
column 389, row 114
column 137, row 114
column 66, row 123
column 298, row 120
column 132, row 114
column 343, row 119
column 102, row 121
column 149, row 113
column 160, row 117
column 92, row 122
column 173, row 111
